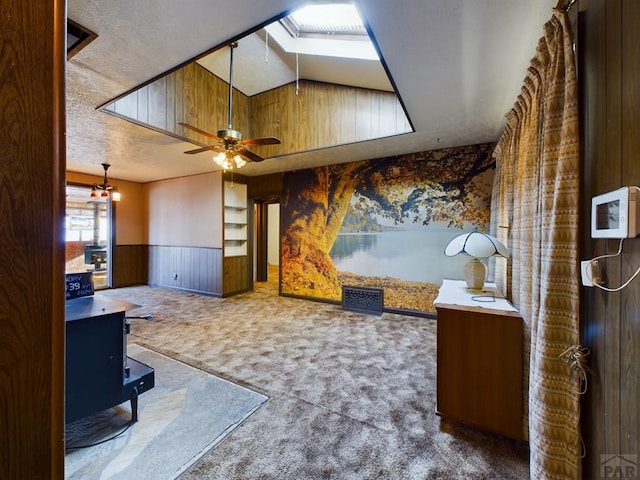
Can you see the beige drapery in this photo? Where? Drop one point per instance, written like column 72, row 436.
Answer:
column 535, row 212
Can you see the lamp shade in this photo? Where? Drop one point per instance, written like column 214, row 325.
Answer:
column 477, row 245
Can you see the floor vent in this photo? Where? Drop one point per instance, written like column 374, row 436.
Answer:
column 363, row 299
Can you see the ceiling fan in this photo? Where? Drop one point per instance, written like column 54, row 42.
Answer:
column 228, row 142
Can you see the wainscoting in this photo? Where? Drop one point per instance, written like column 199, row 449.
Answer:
column 196, row 269
column 130, row 265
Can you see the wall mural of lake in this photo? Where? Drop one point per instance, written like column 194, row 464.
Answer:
column 383, row 223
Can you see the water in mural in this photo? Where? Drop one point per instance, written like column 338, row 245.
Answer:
column 407, row 254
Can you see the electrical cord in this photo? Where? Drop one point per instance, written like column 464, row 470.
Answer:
column 77, row 447
column 576, row 357
column 625, row 284
column 488, row 297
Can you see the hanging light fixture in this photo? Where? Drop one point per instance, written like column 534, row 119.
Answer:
column 105, row 188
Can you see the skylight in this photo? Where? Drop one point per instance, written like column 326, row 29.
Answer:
column 326, row 20
column 334, row 30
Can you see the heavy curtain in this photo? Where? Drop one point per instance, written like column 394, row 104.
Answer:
column 535, row 212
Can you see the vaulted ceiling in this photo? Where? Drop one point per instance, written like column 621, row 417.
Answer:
column 457, row 65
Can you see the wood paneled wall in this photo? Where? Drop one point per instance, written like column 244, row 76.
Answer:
column 235, row 275
column 32, row 167
column 191, row 95
column 130, row 265
column 264, row 185
column 195, row 269
column 323, row 115
column 609, row 56
column 320, row 115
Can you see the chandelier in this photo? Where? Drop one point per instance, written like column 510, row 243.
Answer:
column 105, row 188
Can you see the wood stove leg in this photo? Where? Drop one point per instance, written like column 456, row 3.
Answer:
column 134, row 406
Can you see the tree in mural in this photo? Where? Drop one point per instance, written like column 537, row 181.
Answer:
column 437, row 186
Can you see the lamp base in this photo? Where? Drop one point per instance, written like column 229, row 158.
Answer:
column 475, row 273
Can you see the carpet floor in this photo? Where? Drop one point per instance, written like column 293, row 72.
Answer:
column 352, row 396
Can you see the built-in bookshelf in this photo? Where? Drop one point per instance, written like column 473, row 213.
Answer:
column 235, row 219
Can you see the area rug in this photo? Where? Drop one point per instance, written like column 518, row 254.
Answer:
column 179, row 420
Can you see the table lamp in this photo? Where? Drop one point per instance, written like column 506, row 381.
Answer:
column 477, row 245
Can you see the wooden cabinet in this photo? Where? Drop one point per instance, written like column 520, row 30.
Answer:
column 479, row 359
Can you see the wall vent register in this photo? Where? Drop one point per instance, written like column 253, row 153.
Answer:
column 363, row 299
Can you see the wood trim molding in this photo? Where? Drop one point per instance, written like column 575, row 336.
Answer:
column 32, row 175
column 84, row 35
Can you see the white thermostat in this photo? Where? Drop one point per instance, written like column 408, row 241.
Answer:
column 616, row 214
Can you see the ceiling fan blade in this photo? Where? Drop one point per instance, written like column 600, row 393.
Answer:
column 250, row 142
column 197, row 130
column 204, row 149
column 254, row 157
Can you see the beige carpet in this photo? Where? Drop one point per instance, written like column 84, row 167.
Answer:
column 352, row 396
column 186, row 413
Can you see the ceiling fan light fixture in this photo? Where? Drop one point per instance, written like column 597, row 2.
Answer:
column 228, row 160
column 221, row 159
column 239, row 161
column 230, row 139
column 229, row 134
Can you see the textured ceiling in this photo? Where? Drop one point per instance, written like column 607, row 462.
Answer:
column 458, row 66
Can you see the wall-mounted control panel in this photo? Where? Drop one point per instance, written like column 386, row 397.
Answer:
column 616, row 214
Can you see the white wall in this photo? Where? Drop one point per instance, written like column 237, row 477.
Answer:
column 186, row 211
column 273, row 234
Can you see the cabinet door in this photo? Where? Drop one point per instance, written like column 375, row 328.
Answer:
column 480, row 370
column 235, row 276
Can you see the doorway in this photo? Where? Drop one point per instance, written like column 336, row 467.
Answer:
column 273, row 242
column 87, row 235
column 266, row 252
